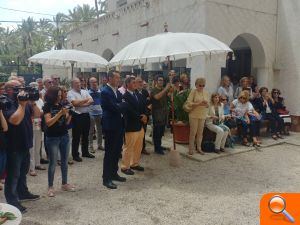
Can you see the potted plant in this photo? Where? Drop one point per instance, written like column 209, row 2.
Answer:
column 181, row 126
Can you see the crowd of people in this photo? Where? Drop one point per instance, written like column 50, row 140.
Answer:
column 117, row 112
column 244, row 107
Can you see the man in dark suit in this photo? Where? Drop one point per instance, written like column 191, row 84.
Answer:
column 146, row 100
column 113, row 128
column 134, row 131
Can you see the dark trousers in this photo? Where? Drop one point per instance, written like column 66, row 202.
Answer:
column 254, row 128
column 15, row 184
column 2, row 162
column 113, row 147
column 45, row 146
column 275, row 121
column 81, row 128
column 158, row 133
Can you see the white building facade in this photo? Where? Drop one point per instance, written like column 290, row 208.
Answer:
column 263, row 34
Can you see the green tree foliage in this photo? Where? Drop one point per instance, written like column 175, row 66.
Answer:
column 31, row 37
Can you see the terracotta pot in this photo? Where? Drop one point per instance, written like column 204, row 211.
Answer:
column 181, row 133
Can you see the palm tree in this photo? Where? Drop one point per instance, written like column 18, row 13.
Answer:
column 79, row 15
column 27, row 31
column 58, row 31
column 102, row 6
column 8, row 45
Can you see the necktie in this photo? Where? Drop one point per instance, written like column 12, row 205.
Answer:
column 136, row 98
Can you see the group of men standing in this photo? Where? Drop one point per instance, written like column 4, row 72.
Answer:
column 124, row 118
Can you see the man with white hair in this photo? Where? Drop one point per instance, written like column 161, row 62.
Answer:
column 47, row 83
column 81, row 100
column 55, row 80
column 39, row 81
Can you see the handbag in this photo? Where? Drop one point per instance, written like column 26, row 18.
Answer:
column 283, row 111
column 187, row 107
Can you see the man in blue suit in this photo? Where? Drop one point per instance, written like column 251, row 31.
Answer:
column 113, row 128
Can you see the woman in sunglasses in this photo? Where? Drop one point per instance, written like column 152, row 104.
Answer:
column 199, row 101
column 247, row 117
column 281, row 110
column 215, row 122
column 265, row 106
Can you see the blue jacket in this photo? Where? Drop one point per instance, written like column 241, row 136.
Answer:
column 135, row 107
column 113, row 108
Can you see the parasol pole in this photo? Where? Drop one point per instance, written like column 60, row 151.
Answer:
column 72, row 68
column 174, row 156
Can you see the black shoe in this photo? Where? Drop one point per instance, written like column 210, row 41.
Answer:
column 138, row 168
column 163, row 148
column 109, row 184
column 28, row 197
column 21, row 208
column 217, row 151
column 119, row 178
column 89, row 156
column 128, row 172
column 44, row 161
column 77, row 159
column 159, row 152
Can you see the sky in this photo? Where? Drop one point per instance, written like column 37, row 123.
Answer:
column 40, row 6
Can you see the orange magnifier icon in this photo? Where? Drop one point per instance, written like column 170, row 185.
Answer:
column 277, row 205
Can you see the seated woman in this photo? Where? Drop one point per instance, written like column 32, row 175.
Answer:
column 281, row 110
column 214, row 122
column 229, row 119
column 265, row 106
column 247, row 117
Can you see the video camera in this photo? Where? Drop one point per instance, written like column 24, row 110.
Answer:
column 4, row 103
column 30, row 94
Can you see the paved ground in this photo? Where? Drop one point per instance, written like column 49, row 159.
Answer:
column 220, row 191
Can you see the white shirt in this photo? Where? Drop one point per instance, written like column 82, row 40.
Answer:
column 228, row 93
column 37, row 122
column 122, row 90
column 268, row 110
column 240, row 109
column 75, row 95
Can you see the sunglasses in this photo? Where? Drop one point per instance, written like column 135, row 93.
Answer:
column 242, row 98
column 224, row 99
column 201, row 85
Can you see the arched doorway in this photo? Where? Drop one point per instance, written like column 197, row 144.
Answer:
column 247, row 57
column 108, row 54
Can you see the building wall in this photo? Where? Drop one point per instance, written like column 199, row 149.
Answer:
column 287, row 79
column 255, row 21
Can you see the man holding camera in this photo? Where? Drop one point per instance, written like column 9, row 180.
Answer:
column 20, row 140
column 159, row 98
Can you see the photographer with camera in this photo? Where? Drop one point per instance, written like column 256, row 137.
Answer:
column 19, row 140
column 57, row 119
